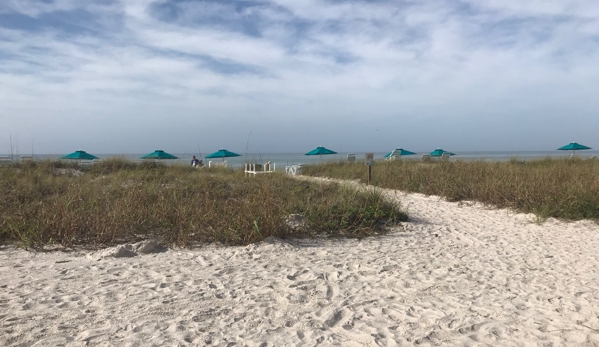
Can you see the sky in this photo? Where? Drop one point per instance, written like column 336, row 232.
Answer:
column 132, row 76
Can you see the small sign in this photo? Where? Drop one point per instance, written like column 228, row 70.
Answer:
column 369, row 159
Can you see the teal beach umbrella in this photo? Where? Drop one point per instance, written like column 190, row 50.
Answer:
column 79, row 155
column 399, row 151
column 159, row 154
column 439, row 152
column 321, row 151
column 573, row 146
column 222, row 153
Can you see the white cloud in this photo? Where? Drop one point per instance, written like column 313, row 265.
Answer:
column 371, row 65
column 577, row 8
column 34, row 8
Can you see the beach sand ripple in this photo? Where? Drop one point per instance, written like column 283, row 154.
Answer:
column 456, row 274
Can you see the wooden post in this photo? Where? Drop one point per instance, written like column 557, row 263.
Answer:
column 369, row 162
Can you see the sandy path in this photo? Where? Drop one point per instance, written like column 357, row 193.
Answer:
column 459, row 275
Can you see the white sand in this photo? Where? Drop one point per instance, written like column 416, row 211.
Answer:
column 459, row 275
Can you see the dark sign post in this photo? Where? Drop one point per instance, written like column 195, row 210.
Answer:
column 369, row 162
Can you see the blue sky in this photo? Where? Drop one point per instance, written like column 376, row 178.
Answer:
column 132, row 76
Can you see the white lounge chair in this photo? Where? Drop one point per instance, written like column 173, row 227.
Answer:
column 218, row 164
column 426, row 158
column 351, row 157
column 396, row 154
column 445, row 156
column 85, row 163
column 5, row 161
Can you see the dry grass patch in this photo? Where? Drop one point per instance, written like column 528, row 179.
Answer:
column 117, row 201
column 561, row 188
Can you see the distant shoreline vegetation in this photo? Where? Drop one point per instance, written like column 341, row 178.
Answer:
column 284, row 159
column 565, row 188
column 119, row 201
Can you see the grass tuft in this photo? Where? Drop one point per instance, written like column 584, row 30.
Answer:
column 560, row 188
column 115, row 201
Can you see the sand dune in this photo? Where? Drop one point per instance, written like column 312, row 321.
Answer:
column 454, row 275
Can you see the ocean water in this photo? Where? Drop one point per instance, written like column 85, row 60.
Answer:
column 286, row 159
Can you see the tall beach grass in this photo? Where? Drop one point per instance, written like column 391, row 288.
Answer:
column 562, row 188
column 117, row 201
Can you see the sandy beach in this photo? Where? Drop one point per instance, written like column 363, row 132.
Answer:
column 456, row 274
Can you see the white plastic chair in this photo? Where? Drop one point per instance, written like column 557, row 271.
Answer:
column 293, row 169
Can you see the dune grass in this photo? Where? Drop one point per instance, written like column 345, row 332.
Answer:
column 561, row 188
column 116, row 201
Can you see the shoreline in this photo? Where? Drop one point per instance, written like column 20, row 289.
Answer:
column 459, row 274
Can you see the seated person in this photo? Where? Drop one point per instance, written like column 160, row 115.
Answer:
column 195, row 162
